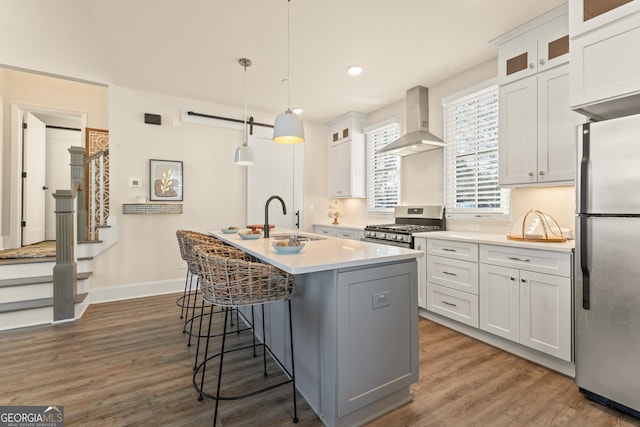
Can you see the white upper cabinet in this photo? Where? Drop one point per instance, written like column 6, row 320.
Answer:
column 605, row 67
column 537, row 126
column 538, row 45
column 346, row 159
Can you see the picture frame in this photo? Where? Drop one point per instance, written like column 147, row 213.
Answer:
column 165, row 180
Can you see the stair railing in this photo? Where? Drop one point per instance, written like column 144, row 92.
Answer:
column 97, row 207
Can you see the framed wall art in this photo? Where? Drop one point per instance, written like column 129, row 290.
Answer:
column 165, row 180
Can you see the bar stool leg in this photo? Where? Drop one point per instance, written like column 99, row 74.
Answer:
column 253, row 331
column 184, row 294
column 264, row 345
column 206, row 352
column 293, row 368
column 224, row 336
column 195, row 365
column 186, row 315
column 193, row 312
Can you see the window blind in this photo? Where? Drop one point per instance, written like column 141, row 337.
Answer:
column 383, row 171
column 471, row 154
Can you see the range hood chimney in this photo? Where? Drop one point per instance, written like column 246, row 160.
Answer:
column 418, row 138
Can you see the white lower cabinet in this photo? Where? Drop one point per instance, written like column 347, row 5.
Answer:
column 456, row 305
column 520, row 294
column 528, row 307
column 452, row 280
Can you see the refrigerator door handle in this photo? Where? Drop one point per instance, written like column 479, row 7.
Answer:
column 584, row 262
column 583, row 182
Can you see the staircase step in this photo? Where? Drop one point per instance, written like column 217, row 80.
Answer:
column 24, row 281
column 7, row 307
column 16, row 270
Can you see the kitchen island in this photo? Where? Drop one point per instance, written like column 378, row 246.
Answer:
column 355, row 323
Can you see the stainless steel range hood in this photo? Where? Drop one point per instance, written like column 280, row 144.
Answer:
column 418, row 138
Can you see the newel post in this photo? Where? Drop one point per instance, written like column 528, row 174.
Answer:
column 77, row 175
column 64, row 272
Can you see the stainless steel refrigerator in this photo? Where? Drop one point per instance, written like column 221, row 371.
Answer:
column 607, row 279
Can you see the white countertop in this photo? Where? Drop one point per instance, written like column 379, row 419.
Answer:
column 496, row 239
column 329, row 253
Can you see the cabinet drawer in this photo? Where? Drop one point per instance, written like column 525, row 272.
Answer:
column 348, row 234
column 453, row 273
column 456, row 305
column 550, row 262
column 453, row 249
column 327, row 231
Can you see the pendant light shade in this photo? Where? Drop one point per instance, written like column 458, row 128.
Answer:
column 244, row 156
column 244, row 153
column 288, row 128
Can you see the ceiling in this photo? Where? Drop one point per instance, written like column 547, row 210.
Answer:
column 191, row 48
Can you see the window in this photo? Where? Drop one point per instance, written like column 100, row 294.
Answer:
column 471, row 152
column 383, row 171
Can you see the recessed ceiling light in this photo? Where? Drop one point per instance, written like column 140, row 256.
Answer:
column 296, row 110
column 354, row 70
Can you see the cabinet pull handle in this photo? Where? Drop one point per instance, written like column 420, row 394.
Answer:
column 541, row 61
column 531, row 66
column 512, row 278
column 449, row 303
column 541, row 173
column 523, row 280
column 448, row 250
column 514, row 258
column 449, row 273
column 531, row 173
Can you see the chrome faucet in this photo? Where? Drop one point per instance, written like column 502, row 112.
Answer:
column 266, row 213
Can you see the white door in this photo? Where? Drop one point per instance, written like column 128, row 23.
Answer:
column 273, row 174
column 33, row 185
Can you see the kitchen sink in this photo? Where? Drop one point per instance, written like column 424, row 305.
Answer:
column 301, row 237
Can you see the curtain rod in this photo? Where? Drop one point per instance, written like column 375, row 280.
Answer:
column 250, row 122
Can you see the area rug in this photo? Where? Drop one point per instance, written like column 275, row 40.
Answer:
column 37, row 250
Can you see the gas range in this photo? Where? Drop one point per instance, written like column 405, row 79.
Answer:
column 409, row 220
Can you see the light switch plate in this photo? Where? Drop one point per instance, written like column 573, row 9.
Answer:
column 135, row 183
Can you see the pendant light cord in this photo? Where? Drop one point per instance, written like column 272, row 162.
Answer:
column 246, row 139
column 288, row 55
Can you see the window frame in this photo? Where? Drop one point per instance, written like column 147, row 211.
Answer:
column 502, row 212
column 378, row 127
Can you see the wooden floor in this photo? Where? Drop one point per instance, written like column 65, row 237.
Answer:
column 127, row 363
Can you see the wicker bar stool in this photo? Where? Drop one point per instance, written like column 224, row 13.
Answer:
column 233, row 282
column 189, row 240
column 221, row 249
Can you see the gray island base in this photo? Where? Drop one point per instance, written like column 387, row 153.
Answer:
column 355, row 324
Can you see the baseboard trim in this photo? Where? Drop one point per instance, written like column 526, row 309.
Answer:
column 135, row 290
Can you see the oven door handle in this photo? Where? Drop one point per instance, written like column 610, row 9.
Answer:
column 386, row 242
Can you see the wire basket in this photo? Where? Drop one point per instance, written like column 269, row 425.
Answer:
column 536, row 226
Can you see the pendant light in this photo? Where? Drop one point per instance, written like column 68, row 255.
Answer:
column 244, row 153
column 288, row 127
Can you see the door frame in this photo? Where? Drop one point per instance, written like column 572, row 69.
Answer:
column 18, row 111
